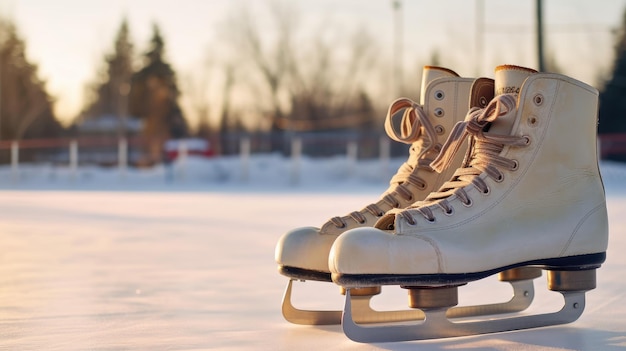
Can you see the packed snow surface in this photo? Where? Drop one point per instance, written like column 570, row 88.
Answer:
column 183, row 259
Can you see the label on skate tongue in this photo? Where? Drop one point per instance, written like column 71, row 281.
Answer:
column 431, row 73
column 509, row 78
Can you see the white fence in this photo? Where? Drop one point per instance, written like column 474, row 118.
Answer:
column 72, row 154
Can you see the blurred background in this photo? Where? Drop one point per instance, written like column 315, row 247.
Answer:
column 121, row 83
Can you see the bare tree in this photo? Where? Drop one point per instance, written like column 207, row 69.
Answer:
column 317, row 83
column 329, row 80
column 271, row 62
column 197, row 95
column 225, row 112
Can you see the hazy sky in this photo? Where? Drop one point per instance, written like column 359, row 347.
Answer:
column 69, row 38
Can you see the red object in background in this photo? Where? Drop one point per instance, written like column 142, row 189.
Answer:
column 195, row 147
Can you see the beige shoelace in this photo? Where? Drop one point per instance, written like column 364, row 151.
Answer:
column 483, row 156
column 416, row 129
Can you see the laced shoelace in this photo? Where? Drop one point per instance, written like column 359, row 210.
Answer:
column 416, row 129
column 483, row 157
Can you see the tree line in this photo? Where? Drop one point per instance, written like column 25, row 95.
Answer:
column 26, row 108
column 149, row 93
column 277, row 85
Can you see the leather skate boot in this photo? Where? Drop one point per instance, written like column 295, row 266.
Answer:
column 302, row 253
column 528, row 194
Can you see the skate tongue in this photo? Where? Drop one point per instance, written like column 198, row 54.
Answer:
column 431, row 73
column 481, row 92
column 509, row 80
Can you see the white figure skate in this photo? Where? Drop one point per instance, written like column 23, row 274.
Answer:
column 529, row 194
column 302, row 254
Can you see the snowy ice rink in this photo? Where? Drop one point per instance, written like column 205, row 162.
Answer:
column 99, row 263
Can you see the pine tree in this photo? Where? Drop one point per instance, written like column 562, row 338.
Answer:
column 612, row 112
column 110, row 95
column 26, row 109
column 154, row 98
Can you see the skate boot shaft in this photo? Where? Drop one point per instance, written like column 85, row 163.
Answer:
column 528, row 196
column 530, row 192
column 303, row 253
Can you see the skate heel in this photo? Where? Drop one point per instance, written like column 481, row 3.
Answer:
column 571, row 280
column 521, row 273
column 432, row 297
column 367, row 291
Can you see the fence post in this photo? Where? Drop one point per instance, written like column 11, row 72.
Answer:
column 15, row 160
column 122, row 157
column 351, row 154
column 296, row 156
column 385, row 154
column 244, row 156
column 73, row 158
column 183, row 150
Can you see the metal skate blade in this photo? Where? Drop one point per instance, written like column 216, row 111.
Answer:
column 437, row 325
column 306, row 317
column 523, row 295
column 360, row 305
column 363, row 313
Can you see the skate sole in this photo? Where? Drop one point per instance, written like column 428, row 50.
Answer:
column 580, row 262
column 304, row 274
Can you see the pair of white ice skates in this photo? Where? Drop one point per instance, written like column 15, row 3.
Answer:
column 510, row 187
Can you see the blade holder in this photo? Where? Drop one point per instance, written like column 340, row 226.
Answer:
column 574, row 280
column 367, row 291
column 432, row 297
column 521, row 273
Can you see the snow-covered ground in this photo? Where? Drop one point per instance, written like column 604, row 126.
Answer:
column 263, row 173
column 97, row 260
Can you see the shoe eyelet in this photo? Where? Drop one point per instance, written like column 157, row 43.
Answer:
column 449, row 212
column 469, row 203
column 515, row 166
column 499, row 179
column 363, row 221
column 532, row 121
column 439, row 95
column 380, row 214
column 482, row 101
column 487, row 191
column 422, row 186
column 410, row 199
column 431, row 220
column 439, row 129
column 439, row 112
column 538, row 99
column 526, row 140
